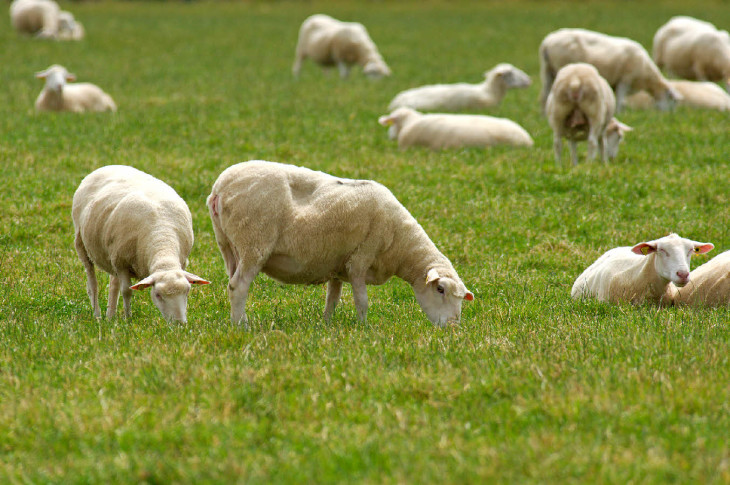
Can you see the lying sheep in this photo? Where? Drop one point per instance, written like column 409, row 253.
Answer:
column 133, row 225
column 675, row 27
column 329, row 42
column 461, row 96
column 305, row 227
column 695, row 94
column 39, row 17
column 709, row 284
column 438, row 130
column 622, row 62
column 699, row 54
column 580, row 106
column 68, row 27
column 640, row 273
column 57, row 95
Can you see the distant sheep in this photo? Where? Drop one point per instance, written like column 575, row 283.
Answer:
column 699, row 54
column 57, row 95
column 305, row 227
column 39, row 17
column 329, row 42
column 580, row 106
column 133, row 225
column 640, row 273
column 438, row 130
column 622, row 62
column 709, row 284
column 675, row 27
column 695, row 94
column 463, row 96
column 68, row 27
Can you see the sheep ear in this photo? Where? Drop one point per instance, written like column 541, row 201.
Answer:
column 70, row 77
column 42, row 74
column 702, row 248
column 622, row 127
column 195, row 280
column 385, row 120
column 643, row 248
column 469, row 296
column 432, row 276
column 145, row 283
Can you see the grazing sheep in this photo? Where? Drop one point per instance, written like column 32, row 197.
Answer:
column 675, row 27
column 305, row 227
column 640, row 273
column 68, row 27
column 699, row 54
column 438, row 130
column 580, row 106
column 133, row 225
column 57, row 95
column 461, row 96
column 38, row 17
column 328, row 42
column 709, row 284
column 622, row 62
column 695, row 94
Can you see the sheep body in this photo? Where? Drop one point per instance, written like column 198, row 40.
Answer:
column 58, row 95
column 133, row 225
column 622, row 62
column 639, row 273
column 709, row 284
column 695, row 94
column 329, row 42
column 461, row 96
column 439, row 130
column 38, row 17
column 702, row 55
column 305, row 227
column 675, row 27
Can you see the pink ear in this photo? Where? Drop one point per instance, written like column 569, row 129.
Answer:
column 385, row 120
column 643, row 248
column 70, row 77
column 469, row 296
column 432, row 276
column 195, row 280
column 145, row 283
column 704, row 248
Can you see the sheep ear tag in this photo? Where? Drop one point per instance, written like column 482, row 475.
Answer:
column 469, row 296
column 645, row 250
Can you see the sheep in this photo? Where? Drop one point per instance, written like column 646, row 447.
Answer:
column 624, row 63
column 133, row 225
column 640, row 273
column 38, row 17
column 695, row 94
column 675, row 27
column 328, row 41
column 701, row 55
column 580, row 106
column 709, row 284
column 57, row 95
column 300, row 226
column 68, row 27
column 439, row 130
column 461, row 96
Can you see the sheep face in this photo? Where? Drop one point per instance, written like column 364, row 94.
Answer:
column 394, row 121
column 614, row 135
column 376, row 69
column 668, row 99
column 511, row 76
column 441, row 298
column 56, row 77
column 672, row 258
column 170, row 292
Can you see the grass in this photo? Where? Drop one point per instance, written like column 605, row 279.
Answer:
column 532, row 387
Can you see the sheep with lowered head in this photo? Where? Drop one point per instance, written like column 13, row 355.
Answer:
column 675, row 27
column 709, row 284
column 702, row 55
column 305, row 227
column 134, row 226
column 330, row 42
column 580, row 106
column 462, row 96
column 622, row 62
column 58, row 95
column 439, row 130
column 640, row 273
column 39, row 17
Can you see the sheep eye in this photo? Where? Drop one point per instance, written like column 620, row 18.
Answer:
column 697, row 250
column 440, row 289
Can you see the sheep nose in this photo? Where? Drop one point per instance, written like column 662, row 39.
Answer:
column 683, row 275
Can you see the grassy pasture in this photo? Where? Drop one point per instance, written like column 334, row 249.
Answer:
column 532, row 387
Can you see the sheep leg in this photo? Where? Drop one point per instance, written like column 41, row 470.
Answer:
column 334, row 290
column 92, row 286
column 573, row 152
column 125, row 281
column 344, row 69
column 603, row 146
column 111, row 307
column 297, row 67
column 360, row 295
column 622, row 89
column 592, row 145
column 558, row 148
column 238, row 287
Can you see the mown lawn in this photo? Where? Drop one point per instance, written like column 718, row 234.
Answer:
column 532, row 387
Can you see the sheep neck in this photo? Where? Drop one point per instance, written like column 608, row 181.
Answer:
column 162, row 250
column 494, row 88
column 655, row 286
column 420, row 255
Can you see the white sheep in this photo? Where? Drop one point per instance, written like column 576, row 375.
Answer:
column 675, row 27
column 439, row 130
column 622, row 62
column 695, row 94
column 640, row 273
column 68, row 27
column 580, row 106
column 57, row 95
column 305, row 227
column 461, row 96
column 329, row 42
column 38, row 17
column 709, row 284
column 133, row 225
column 701, row 55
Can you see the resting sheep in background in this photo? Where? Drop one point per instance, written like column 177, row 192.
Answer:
column 580, row 106
column 329, row 42
column 622, row 62
column 38, row 17
column 695, row 94
column 57, row 95
column 640, row 273
column 709, row 284
column 438, row 130
column 68, row 27
column 305, row 227
column 133, row 225
column 462, row 96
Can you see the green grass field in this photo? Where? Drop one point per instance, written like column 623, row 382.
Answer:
column 532, row 387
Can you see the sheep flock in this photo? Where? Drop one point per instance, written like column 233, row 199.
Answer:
column 301, row 226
